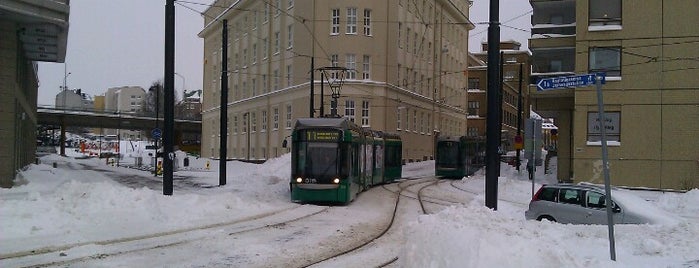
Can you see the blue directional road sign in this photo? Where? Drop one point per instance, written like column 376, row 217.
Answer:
column 568, row 81
column 156, row 133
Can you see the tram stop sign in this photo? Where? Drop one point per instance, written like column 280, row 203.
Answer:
column 156, row 133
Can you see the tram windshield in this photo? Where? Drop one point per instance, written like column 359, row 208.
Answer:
column 320, row 159
column 448, row 154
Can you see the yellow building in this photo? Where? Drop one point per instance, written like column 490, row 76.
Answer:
column 406, row 62
column 651, row 98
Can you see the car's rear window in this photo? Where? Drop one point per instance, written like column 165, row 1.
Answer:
column 548, row 194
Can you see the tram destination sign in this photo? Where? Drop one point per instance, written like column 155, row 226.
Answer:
column 323, row 135
column 552, row 83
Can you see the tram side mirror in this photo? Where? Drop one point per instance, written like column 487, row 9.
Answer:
column 284, row 143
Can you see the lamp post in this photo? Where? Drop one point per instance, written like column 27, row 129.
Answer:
column 63, row 126
column 336, row 77
column 184, row 85
column 65, row 88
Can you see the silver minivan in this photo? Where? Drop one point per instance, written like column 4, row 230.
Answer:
column 585, row 204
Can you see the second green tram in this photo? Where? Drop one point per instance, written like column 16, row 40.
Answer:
column 457, row 157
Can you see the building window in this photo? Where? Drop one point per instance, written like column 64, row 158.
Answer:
column 612, row 125
column 422, row 123
column 367, row 22
column 245, row 58
column 606, row 59
column 349, row 110
column 288, row 116
column 351, row 65
column 246, row 91
column 254, row 54
column 276, row 118
column 264, row 84
column 407, row 40
column 473, row 107
column 290, row 36
column 265, row 17
column 276, row 79
column 253, row 89
column 253, row 122
column 400, row 26
column 335, row 24
column 278, row 8
column 509, row 76
column 365, row 113
column 398, row 118
column 366, row 67
column 276, row 43
column 605, row 12
column 235, row 124
column 237, row 61
column 288, row 75
column 351, row 20
column 245, row 122
column 474, row 83
column 415, row 121
column 264, row 48
column 472, row 132
column 429, row 124
column 264, row 120
column 407, row 120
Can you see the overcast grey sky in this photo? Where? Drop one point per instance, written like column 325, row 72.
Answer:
column 114, row 43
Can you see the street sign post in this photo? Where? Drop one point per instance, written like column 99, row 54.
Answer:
column 552, row 83
column 585, row 80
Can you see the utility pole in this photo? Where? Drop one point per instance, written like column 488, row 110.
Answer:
column 494, row 107
column 310, row 113
column 223, row 128
column 168, row 135
column 519, row 114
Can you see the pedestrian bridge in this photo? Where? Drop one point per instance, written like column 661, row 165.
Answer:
column 110, row 120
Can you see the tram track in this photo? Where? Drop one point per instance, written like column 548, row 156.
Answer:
column 45, row 257
column 402, row 186
column 477, row 193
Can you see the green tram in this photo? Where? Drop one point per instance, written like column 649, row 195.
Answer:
column 457, row 157
column 333, row 160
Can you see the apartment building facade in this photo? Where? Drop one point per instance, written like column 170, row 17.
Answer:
column 514, row 91
column 124, row 100
column 406, row 64
column 651, row 97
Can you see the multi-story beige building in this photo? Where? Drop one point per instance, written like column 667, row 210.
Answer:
column 124, row 100
column 648, row 49
column 30, row 31
column 513, row 57
column 406, row 59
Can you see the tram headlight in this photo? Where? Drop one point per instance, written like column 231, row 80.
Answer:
column 299, row 180
column 336, row 180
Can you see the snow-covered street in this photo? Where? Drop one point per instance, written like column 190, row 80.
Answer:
column 87, row 213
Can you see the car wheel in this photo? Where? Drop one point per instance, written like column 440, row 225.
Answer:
column 548, row 218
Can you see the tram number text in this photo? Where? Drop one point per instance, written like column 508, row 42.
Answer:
column 310, row 180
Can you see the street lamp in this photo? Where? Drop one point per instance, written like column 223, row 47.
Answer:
column 336, row 77
column 184, row 86
column 65, row 88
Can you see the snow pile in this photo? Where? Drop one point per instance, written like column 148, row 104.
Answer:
column 475, row 236
column 74, row 204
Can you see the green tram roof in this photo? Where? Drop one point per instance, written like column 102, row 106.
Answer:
column 339, row 123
